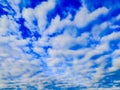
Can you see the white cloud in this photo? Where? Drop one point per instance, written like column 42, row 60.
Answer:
column 97, row 29
column 71, row 67
column 83, row 17
column 41, row 13
column 112, row 36
column 8, row 26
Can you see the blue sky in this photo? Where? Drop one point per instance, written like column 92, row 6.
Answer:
column 59, row 45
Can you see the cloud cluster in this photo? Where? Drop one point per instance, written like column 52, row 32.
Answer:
column 44, row 49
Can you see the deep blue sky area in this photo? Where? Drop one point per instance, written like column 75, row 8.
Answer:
column 59, row 44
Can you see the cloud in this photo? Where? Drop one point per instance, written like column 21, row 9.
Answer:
column 60, row 53
column 41, row 12
column 83, row 17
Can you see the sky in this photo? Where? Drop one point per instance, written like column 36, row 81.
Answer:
column 59, row 45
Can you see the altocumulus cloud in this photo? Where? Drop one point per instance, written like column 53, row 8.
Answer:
column 59, row 45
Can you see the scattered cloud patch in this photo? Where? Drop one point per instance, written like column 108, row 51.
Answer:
column 59, row 44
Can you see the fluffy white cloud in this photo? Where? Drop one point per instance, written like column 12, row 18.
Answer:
column 27, row 61
column 41, row 13
column 83, row 17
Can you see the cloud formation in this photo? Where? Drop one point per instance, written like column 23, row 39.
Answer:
column 53, row 44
